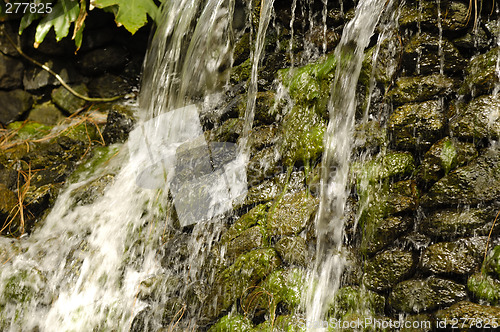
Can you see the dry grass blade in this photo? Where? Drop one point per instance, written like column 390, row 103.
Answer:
column 488, row 240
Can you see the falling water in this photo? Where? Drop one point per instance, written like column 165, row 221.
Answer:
column 336, row 158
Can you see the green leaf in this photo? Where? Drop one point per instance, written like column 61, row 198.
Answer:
column 27, row 19
column 132, row 14
column 63, row 14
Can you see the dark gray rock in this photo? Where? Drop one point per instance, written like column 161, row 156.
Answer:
column 421, row 88
column 102, row 60
column 381, row 233
column 46, row 113
column 479, row 120
column 13, row 104
column 454, row 15
column 427, row 294
column 386, row 269
column 35, row 77
column 426, row 54
column 249, row 239
column 119, row 123
column 458, row 257
column 11, row 72
column 415, row 126
column 108, row 86
column 67, row 101
column 475, row 183
column 481, row 75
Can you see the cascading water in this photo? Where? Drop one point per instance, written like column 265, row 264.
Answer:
column 336, row 158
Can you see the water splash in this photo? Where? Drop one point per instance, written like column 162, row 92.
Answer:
column 336, row 158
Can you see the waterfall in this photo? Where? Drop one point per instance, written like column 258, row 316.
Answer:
column 337, row 155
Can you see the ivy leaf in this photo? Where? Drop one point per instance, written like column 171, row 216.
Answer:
column 132, row 14
column 63, row 14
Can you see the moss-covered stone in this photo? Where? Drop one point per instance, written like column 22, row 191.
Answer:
column 479, row 120
column 352, row 299
column 263, row 165
column 228, row 131
column 493, row 262
column 8, row 202
column 426, row 14
column 395, row 165
column 291, row 215
column 241, row 72
column 284, row 323
column 427, row 294
column 459, row 257
column 283, row 287
column 429, row 53
column 481, row 75
column 23, row 286
column 233, row 282
column 67, row 101
column 484, row 287
column 292, row 250
column 416, row 125
column 370, row 136
column 46, row 113
column 472, row 184
column 248, row 240
column 453, row 223
column 444, row 156
column 302, row 135
column 251, row 218
column 388, row 268
column 96, row 158
column 471, row 316
column 380, row 233
column 230, row 323
column 421, row 88
column 89, row 192
column 29, row 130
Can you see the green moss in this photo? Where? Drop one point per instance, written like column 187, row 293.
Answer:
column 286, row 323
column 86, row 132
column 484, row 287
column 493, row 262
column 354, row 300
column 231, row 323
column 390, row 166
column 29, row 130
column 22, row 287
column 98, row 157
column 249, row 219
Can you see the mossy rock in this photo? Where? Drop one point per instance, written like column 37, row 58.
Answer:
column 23, row 286
column 252, row 218
column 291, row 214
column 370, row 136
column 29, row 130
column 241, row 72
column 86, row 132
column 356, row 300
column 46, row 113
column 444, row 156
column 285, row 287
column 479, row 120
column 484, row 287
column 302, row 135
column 96, row 158
column 67, row 101
column 457, row 257
column 387, row 268
column 481, row 77
column 471, row 316
column 426, row 14
column 232, row 322
column 421, row 88
column 395, row 165
column 493, row 261
column 263, row 165
column 283, row 323
column 267, row 108
column 293, row 250
column 419, row 295
column 91, row 191
column 8, row 204
column 228, row 131
column 453, row 223
column 416, row 126
column 428, row 53
column 233, row 282
column 381, row 233
column 248, row 240
column 475, row 183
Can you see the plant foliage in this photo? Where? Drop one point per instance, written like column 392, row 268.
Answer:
column 67, row 14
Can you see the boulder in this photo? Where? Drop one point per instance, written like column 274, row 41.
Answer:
column 101, row 60
column 484, row 287
column 46, row 113
column 67, row 101
column 119, row 123
column 13, row 104
column 421, row 88
column 469, row 316
column 11, row 72
column 293, row 250
column 383, row 232
column 387, row 268
column 481, row 77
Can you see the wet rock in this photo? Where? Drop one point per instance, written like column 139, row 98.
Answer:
column 388, row 268
column 23, row 286
column 46, row 113
column 67, row 101
column 89, row 192
column 119, row 123
column 459, row 257
column 426, row 13
column 453, row 223
column 262, row 137
column 28, row 130
column 241, row 72
column 472, row 184
column 369, row 136
column 262, row 166
column 14, row 104
column 233, row 282
column 472, row 40
column 248, row 240
column 8, row 203
column 471, row 315
column 103, row 59
column 395, row 165
column 261, row 193
column 291, row 215
column 493, row 261
column 228, row 131
column 427, row 294
column 281, row 287
column 479, row 120
column 232, row 322
column 175, row 251
column 108, row 86
column 11, row 72
column 292, row 250
column 251, row 218
column 8, row 177
column 484, row 287
column 428, row 53
column 444, row 156
column 322, row 39
column 481, row 75
column 380, row 233
column 36, row 78
column 421, row 88
column 415, row 126
column 352, row 299
column 38, row 199
column 242, row 49
column 302, row 135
